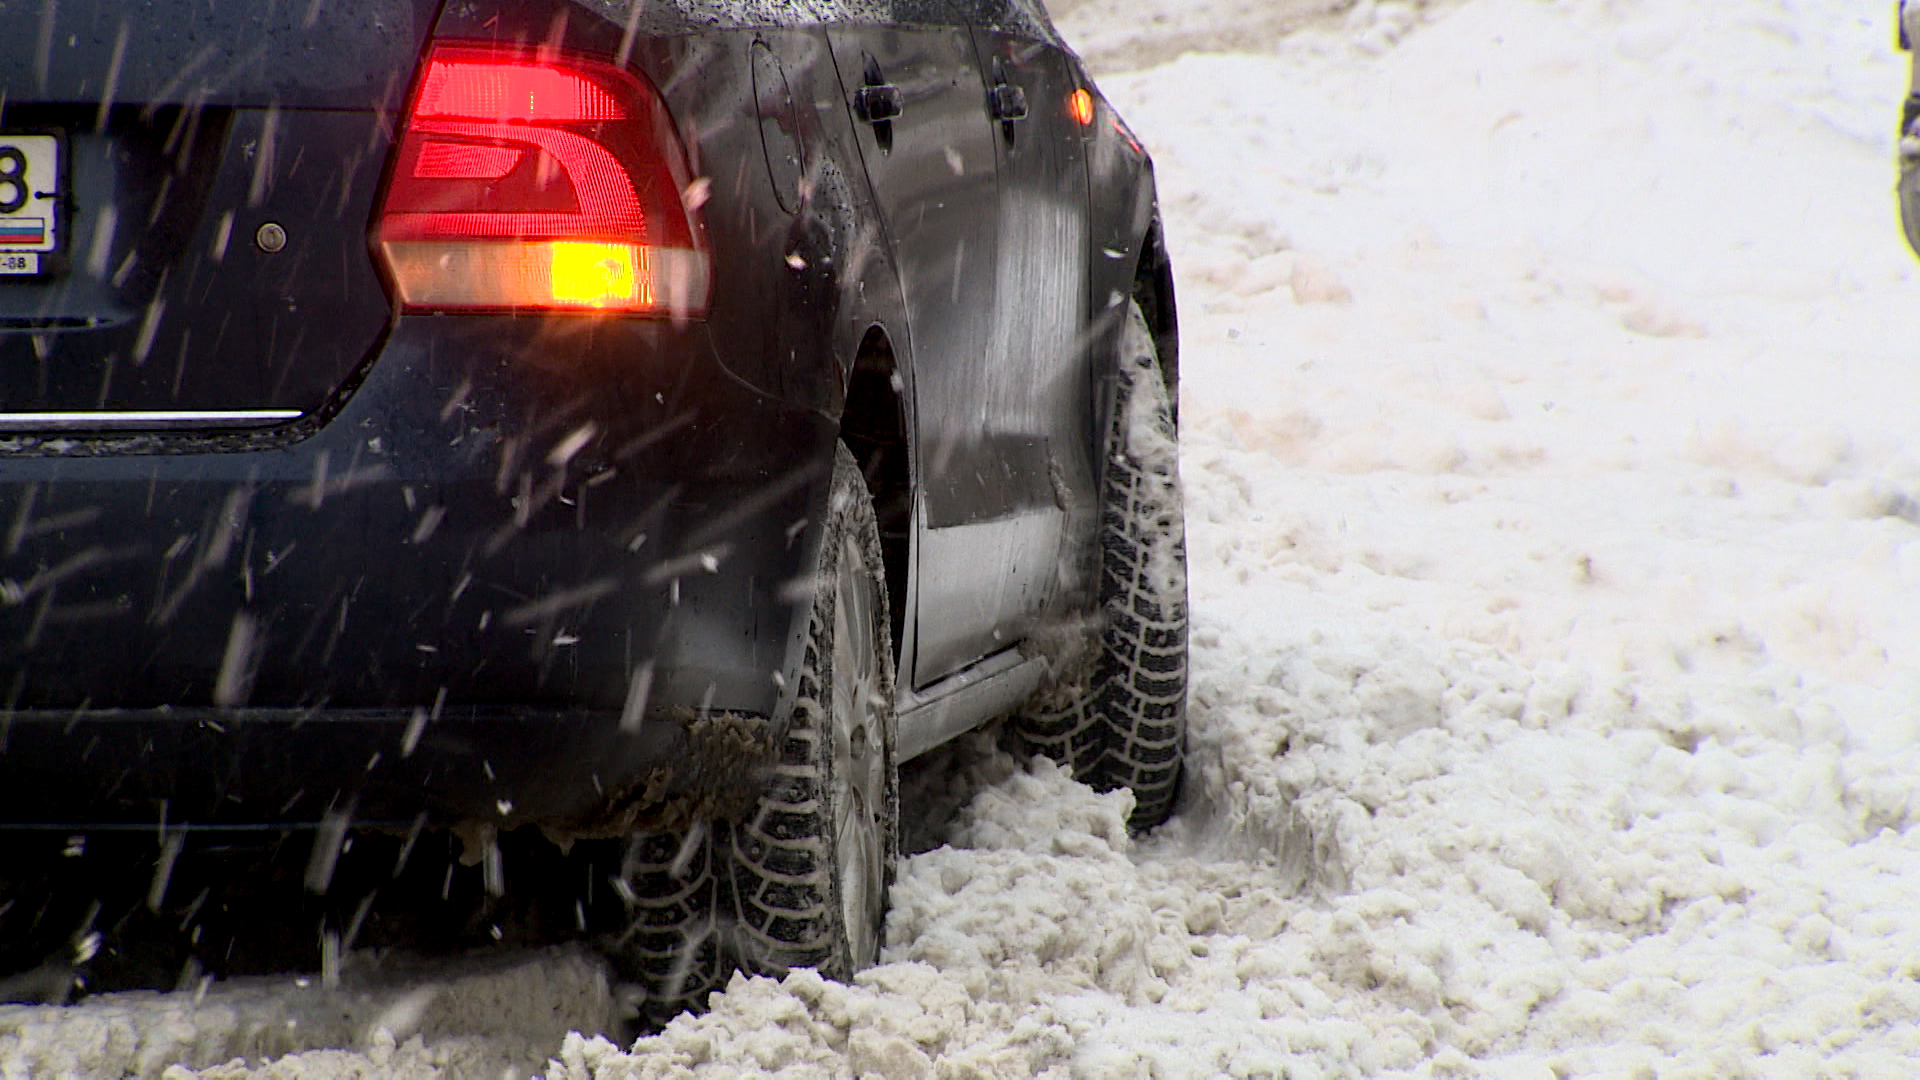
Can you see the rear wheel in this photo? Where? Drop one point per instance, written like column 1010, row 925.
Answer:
column 803, row 881
column 1118, row 718
column 808, row 875
column 671, row 945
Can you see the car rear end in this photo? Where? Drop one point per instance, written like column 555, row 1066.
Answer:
column 367, row 449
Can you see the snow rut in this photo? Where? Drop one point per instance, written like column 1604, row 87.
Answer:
column 487, row 1017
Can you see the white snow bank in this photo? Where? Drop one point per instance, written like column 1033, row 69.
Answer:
column 496, row 1016
column 1125, row 35
column 1650, row 310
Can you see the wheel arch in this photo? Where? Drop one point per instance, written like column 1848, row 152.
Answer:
column 1153, row 291
column 875, row 427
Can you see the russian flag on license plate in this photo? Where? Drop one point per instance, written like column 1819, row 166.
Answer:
column 22, row 231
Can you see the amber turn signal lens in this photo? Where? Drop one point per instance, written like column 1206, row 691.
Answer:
column 1080, row 104
column 594, row 275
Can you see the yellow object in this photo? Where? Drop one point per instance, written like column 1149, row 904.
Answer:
column 1080, row 103
column 556, row 275
column 595, row 275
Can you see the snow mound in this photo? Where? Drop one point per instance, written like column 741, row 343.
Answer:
column 1033, row 945
column 461, row 1019
column 1126, row 35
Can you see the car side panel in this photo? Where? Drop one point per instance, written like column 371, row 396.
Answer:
column 934, row 179
column 1126, row 216
column 1038, row 385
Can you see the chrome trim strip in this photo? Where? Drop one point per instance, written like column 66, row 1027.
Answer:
column 167, row 418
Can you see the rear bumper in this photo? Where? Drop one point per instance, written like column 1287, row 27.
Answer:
column 580, row 774
column 514, row 526
column 577, row 772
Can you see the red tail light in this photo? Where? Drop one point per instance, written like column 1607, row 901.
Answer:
column 526, row 180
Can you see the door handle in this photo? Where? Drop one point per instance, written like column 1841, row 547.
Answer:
column 877, row 101
column 1008, row 102
column 878, row 104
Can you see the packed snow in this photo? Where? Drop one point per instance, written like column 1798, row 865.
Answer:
column 1554, row 525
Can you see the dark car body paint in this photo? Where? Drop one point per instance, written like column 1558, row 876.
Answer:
column 420, row 552
column 1907, row 188
column 292, row 325
column 356, row 56
column 664, row 552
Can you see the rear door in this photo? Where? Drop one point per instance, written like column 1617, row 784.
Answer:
column 1035, row 381
column 928, row 148
column 194, row 252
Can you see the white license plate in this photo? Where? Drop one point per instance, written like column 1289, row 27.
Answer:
column 30, row 196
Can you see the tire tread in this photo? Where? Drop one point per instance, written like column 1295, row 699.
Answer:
column 1121, row 721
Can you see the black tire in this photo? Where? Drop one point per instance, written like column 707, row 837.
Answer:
column 1118, row 718
column 803, row 881
column 808, row 875
column 672, row 945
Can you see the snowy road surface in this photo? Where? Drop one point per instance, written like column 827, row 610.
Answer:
column 1555, row 536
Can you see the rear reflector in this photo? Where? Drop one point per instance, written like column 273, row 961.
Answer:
column 527, row 180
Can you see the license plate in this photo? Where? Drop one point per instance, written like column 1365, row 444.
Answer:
column 30, row 195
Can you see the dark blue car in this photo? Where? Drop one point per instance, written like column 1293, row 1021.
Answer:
column 647, row 423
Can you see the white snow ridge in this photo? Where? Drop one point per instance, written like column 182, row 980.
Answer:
column 1554, row 525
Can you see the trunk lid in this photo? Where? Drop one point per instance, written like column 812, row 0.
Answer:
column 217, row 166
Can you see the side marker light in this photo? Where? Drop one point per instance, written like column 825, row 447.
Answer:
column 1080, row 104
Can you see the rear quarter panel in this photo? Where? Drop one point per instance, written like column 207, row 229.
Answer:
column 1126, row 214
column 794, row 289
